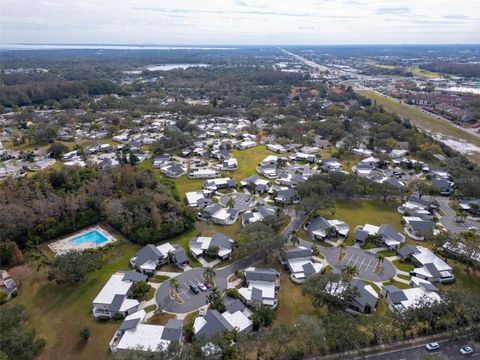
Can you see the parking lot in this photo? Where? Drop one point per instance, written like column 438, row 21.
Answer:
column 360, row 261
column 363, row 260
column 186, row 294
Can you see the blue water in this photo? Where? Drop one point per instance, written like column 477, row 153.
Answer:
column 93, row 237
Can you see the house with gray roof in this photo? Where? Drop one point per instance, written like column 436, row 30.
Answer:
column 135, row 334
column 418, row 228
column 256, row 184
column 366, row 300
column 199, row 245
column 259, row 213
column 400, row 300
column 288, row 196
column 320, row 228
column 300, row 265
column 150, row 257
column 219, row 214
column 261, row 287
column 236, row 316
column 385, row 235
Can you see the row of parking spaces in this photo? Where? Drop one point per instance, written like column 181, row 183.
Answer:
column 360, row 261
column 185, row 293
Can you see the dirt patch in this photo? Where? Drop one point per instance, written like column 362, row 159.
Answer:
column 20, row 272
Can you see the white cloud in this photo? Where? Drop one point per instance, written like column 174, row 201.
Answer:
column 239, row 21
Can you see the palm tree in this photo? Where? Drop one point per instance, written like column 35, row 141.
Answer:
column 230, row 202
column 294, row 238
column 174, row 285
column 209, row 273
column 215, row 298
column 343, row 248
column 349, row 272
column 380, row 260
column 170, row 257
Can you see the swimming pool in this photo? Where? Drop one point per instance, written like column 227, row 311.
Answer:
column 94, row 237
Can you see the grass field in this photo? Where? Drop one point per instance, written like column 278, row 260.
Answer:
column 400, row 265
column 361, row 212
column 398, row 284
column 248, row 160
column 424, row 121
column 58, row 314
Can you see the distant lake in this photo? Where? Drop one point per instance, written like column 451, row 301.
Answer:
column 166, row 67
column 105, row 47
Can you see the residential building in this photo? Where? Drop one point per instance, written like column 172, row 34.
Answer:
column 198, row 246
column 214, row 322
column 262, row 286
column 259, row 213
column 401, row 300
column 150, row 257
column 113, row 300
column 319, row 228
column 300, row 265
column 7, row 284
column 385, row 234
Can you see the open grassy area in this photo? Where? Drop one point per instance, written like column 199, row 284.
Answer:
column 387, row 253
column 463, row 280
column 400, row 265
column 424, row 73
column 361, row 212
column 424, row 121
column 291, row 302
column 158, row 278
column 248, row 160
column 58, row 313
column 404, row 277
column 160, row 319
column 398, row 284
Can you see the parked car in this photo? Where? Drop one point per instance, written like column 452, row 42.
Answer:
column 194, row 289
column 202, row 287
column 207, row 284
column 466, row 350
column 432, row 346
column 201, row 312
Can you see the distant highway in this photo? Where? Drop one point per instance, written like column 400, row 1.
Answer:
column 307, row 62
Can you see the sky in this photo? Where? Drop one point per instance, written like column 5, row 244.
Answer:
column 239, row 22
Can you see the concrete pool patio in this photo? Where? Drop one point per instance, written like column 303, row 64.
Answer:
column 66, row 244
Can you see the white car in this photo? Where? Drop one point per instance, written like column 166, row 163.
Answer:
column 432, row 346
column 201, row 312
column 466, row 350
column 202, row 287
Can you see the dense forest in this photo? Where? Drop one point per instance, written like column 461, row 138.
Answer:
column 53, row 203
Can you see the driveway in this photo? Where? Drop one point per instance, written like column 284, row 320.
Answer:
column 191, row 301
column 448, row 220
column 297, row 220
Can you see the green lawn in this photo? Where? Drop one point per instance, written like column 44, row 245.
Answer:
column 291, row 302
column 158, row 278
column 160, row 319
column 404, row 266
column 404, row 277
column 424, row 121
column 374, row 286
column 248, row 160
column 463, row 281
column 387, row 253
column 58, row 313
column 398, row 284
column 361, row 212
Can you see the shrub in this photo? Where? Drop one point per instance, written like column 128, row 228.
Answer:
column 103, row 318
column 117, row 317
column 3, row 297
column 233, row 293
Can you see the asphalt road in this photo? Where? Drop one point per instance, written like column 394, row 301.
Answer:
column 449, row 350
column 448, row 220
column 191, row 301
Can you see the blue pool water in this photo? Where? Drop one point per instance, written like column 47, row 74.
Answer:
column 93, row 237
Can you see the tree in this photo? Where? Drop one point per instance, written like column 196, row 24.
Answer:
column 315, row 251
column 230, row 202
column 328, row 289
column 263, row 240
column 71, row 268
column 215, row 300
column 15, row 341
column 209, row 273
column 294, row 238
column 139, row 290
column 212, row 251
column 174, row 285
column 380, row 260
column 349, row 272
column 57, row 150
column 420, row 187
column 263, row 317
column 85, row 334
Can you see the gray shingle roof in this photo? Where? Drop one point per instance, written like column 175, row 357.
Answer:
column 221, row 240
column 389, row 231
column 397, row 296
column 308, row 269
column 134, row 276
column 364, row 297
column 129, row 324
column 406, row 251
column 172, row 330
column 116, row 303
column 215, row 324
column 148, row 252
column 259, row 274
column 257, row 294
column 298, row 253
column 360, row 235
column 180, row 256
column 233, row 305
column 318, row 223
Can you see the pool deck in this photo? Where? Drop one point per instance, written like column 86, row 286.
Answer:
column 64, row 245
